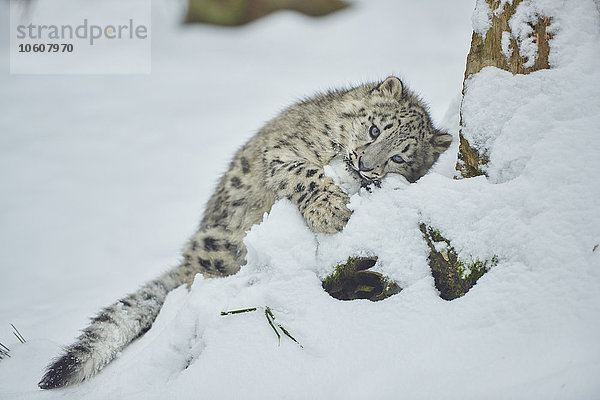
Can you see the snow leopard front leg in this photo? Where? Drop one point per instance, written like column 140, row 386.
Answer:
column 320, row 201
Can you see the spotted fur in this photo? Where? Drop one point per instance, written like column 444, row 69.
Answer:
column 377, row 128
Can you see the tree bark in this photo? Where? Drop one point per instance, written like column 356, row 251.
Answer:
column 487, row 51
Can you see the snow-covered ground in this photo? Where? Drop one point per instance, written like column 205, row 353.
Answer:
column 104, row 177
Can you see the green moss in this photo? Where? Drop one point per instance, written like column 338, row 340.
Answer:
column 340, row 271
column 453, row 276
column 471, row 272
column 353, row 280
column 364, row 288
column 435, row 235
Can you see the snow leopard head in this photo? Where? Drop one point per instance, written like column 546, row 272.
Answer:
column 391, row 132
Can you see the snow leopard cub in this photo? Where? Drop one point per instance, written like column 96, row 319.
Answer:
column 377, row 128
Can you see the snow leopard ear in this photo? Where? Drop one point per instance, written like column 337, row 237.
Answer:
column 440, row 141
column 392, row 87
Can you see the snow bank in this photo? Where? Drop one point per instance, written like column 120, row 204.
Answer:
column 528, row 327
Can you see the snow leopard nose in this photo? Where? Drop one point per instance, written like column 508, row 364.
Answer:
column 361, row 166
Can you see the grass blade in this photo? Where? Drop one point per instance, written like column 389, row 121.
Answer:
column 18, row 334
column 270, row 318
column 4, row 351
column 288, row 335
column 245, row 310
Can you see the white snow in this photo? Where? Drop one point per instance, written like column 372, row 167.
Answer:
column 505, row 43
column 521, row 26
column 501, row 5
column 481, row 18
column 108, row 179
column 346, row 180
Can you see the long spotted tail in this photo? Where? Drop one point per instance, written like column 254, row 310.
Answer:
column 115, row 326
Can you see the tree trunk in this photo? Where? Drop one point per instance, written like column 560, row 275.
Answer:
column 520, row 52
column 501, row 48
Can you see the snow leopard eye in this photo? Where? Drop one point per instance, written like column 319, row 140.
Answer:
column 374, row 131
column 397, row 159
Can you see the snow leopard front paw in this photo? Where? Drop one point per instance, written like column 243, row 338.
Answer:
column 328, row 213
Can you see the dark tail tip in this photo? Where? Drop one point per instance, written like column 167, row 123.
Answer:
column 62, row 372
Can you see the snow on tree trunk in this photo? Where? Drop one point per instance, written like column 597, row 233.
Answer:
column 513, row 36
column 508, row 35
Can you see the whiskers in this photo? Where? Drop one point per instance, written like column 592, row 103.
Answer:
column 365, row 181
